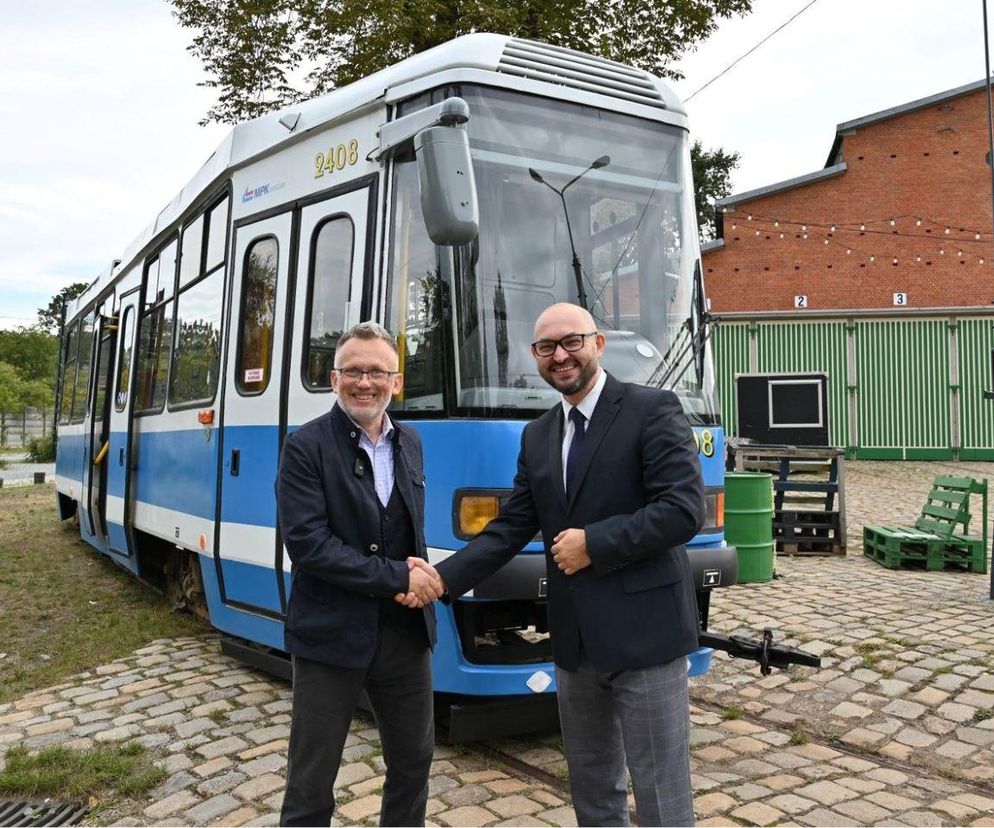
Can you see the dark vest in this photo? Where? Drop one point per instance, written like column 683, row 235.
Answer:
column 397, row 533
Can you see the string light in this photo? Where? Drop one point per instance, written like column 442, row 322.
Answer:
column 975, row 235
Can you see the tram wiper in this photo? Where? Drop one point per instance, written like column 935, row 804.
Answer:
column 596, row 164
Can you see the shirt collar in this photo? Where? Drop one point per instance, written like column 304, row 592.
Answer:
column 589, row 402
column 386, row 432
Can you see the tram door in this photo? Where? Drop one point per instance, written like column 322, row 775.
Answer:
column 334, row 261
column 99, row 427
column 246, row 512
column 115, row 463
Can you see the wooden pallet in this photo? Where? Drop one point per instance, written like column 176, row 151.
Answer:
column 939, row 536
column 903, row 548
column 808, row 533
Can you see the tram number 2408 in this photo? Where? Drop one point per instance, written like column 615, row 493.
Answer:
column 705, row 442
column 336, row 158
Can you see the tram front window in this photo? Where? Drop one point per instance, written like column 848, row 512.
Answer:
column 547, row 171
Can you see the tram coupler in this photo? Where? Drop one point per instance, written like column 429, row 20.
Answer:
column 767, row 654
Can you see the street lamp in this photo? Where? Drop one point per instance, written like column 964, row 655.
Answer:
column 596, row 164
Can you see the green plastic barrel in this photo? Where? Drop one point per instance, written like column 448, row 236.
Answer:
column 749, row 523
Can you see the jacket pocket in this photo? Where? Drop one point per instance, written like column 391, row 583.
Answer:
column 657, row 574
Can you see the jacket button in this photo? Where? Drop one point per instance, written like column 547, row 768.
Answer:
column 373, row 547
column 352, row 434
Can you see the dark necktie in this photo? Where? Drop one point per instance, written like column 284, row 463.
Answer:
column 575, row 447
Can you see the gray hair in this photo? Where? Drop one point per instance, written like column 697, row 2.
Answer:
column 367, row 330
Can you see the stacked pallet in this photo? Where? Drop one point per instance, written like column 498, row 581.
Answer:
column 809, row 512
column 940, row 537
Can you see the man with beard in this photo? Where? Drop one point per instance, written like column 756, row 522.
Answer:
column 612, row 480
column 350, row 495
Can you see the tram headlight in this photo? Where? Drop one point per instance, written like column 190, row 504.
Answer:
column 714, row 510
column 475, row 508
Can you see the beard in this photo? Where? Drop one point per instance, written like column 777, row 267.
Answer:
column 570, row 387
column 363, row 416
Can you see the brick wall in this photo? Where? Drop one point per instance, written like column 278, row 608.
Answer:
column 928, row 165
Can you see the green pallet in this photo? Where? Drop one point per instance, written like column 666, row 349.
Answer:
column 903, row 548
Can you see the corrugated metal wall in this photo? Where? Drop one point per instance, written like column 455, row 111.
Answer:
column 975, row 340
column 899, row 388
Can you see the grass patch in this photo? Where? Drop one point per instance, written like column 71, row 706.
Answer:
column 95, row 773
column 983, row 715
column 731, row 713
column 798, row 737
column 66, row 607
column 218, row 716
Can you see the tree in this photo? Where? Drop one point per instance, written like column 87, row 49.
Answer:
column 49, row 318
column 712, row 169
column 250, row 48
column 17, row 393
column 34, row 352
column 262, row 55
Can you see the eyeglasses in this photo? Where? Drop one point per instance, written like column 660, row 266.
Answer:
column 376, row 375
column 571, row 342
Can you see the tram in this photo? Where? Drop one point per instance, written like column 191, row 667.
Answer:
column 450, row 197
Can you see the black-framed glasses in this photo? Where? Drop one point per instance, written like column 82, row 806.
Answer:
column 376, row 375
column 571, row 342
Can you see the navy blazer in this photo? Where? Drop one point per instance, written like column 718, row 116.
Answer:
column 329, row 518
column 639, row 496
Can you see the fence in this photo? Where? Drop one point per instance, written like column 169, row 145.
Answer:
column 19, row 429
column 901, row 386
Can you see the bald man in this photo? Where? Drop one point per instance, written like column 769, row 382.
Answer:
column 612, row 480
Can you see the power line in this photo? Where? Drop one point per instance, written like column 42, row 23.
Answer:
column 753, row 49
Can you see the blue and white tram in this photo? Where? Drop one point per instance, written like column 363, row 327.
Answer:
column 187, row 362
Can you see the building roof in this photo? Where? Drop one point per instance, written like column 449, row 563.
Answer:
column 789, row 184
column 834, row 165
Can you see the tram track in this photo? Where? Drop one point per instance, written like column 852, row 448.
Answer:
column 491, row 752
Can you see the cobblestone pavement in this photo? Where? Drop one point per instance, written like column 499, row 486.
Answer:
column 897, row 727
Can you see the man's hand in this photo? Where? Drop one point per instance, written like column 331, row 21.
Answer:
column 569, row 550
column 425, row 585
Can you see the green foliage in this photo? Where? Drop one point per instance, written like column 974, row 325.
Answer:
column 731, row 713
column 41, row 449
column 65, row 773
column 712, row 171
column 798, row 737
column 34, row 352
column 17, row 392
column 50, row 317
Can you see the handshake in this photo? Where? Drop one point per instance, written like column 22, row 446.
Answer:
column 424, row 586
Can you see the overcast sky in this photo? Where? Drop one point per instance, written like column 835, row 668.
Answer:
column 99, row 107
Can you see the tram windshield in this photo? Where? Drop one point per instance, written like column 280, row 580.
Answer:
column 553, row 178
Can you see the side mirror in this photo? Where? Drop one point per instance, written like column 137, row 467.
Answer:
column 448, row 187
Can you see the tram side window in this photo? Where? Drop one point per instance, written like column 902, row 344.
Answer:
column 68, row 373
column 217, row 226
column 258, row 311
column 415, row 311
column 83, row 368
column 192, row 255
column 197, row 353
column 155, row 336
column 327, row 298
column 124, row 363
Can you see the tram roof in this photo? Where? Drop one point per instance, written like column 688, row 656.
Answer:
column 502, row 54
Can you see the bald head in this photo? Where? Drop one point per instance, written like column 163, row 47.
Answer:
column 571, row 372
column 565, row 315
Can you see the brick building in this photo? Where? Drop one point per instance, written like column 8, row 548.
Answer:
column 899, row 216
